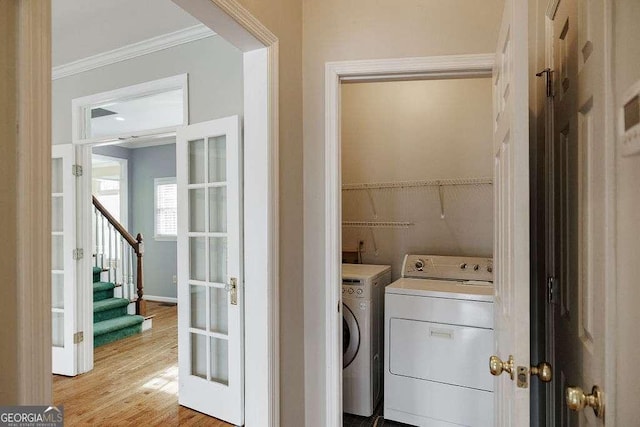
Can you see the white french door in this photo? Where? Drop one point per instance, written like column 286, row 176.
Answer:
column 511, row 207
column 63, row 264
column 210, row 273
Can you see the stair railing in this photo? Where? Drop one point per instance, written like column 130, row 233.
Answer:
column 116, row 249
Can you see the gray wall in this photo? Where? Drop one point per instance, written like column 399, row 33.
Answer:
column 215, row 90
column 160, row 257
column 215, row 81
column 144, row 165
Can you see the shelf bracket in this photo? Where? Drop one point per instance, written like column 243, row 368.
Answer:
column 373, row 239
column 441, row 194
column 373, row 205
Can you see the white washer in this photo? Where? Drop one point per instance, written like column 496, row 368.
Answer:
column 362, row 329
column 438, row 340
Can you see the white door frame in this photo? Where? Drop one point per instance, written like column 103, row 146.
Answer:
column 452, row 66
column 261, row 211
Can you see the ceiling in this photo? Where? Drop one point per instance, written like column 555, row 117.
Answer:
column 83, row 28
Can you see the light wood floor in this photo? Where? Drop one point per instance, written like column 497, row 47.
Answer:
column 134, row 381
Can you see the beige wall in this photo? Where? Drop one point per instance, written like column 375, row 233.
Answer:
column 416, row 131
column 284, row 19
column 360, row 29
column 626, row 72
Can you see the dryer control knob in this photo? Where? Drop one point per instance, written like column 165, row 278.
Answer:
column 359, row 291
column 463, row 266
column 350, row 290
column 419, row 265
column 489, row 268
column 476, row 267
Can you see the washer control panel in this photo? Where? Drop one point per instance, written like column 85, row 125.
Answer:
column 354, row 288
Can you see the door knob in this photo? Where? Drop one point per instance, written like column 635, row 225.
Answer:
column 543, row 371
column 577, row 400
column 497, row 366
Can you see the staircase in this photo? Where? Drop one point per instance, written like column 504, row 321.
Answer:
column 115, row 252
column 111, row 321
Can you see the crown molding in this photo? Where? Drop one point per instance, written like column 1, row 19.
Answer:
column 133, row 50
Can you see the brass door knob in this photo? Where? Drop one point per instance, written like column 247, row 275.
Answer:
column 577, row 400
column 497, row 366
column 543, row 371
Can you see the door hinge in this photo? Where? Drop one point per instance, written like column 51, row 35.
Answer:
column 76, row 170
column 78, row 254
column 548, row 73
column 78, row 337
column 551, row 289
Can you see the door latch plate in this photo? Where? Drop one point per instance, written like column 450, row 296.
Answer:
column 523, row 377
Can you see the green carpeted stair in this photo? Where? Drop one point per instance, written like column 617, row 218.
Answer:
column 110, row 319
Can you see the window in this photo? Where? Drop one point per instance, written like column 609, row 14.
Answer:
column 133, row 113
column 166, row 208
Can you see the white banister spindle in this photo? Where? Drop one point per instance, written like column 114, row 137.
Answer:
column 95, row 235
column 102, row 244
column 123, row 265
column 110, row 257
column 132, row 256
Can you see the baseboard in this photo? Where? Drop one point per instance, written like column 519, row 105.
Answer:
column 161, row 299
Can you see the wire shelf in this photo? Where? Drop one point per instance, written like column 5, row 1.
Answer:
column 411, row 184
column 377, row 224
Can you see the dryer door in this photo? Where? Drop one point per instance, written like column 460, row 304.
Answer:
column 350, row 336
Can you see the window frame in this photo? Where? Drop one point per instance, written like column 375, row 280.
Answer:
column 158, row 182
column 81, row 110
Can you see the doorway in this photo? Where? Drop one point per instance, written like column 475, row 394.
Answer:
column 416, row 180
column 260, row 59
column 338, row 73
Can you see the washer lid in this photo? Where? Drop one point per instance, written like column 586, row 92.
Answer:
column 443, row 289
column 363, row 271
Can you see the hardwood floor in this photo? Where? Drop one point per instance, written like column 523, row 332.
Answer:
column 134, row 381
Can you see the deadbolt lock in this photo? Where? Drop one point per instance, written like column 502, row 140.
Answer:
column 497, row 366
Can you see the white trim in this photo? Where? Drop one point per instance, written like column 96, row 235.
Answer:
column 336, row 72
column 80, row 107
column 157, row 298
column 163, row 237
column 84, row 239
column 611, row 285
column 133, row 50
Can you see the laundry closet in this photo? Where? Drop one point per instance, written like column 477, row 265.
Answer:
column 417, row 232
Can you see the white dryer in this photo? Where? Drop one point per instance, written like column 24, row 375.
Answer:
column 362, row 333
column 438, row 340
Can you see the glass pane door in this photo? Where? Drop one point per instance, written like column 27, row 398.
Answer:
column 62, row 262
column 208, row 293
column 209, row 269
